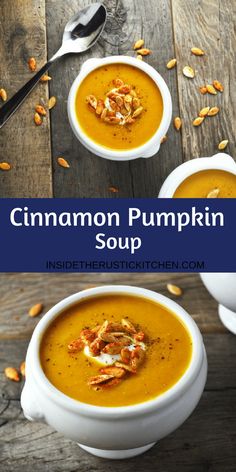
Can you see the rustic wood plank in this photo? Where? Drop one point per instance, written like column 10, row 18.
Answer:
column 25, row 146
column 210, row 26
column 18, row 292
column 91, row 176
column 203, row 443
column 152, row 20
column 210, row 23
column 88, row 176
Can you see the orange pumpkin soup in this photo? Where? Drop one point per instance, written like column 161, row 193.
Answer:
column 119, row 106
column 146, row 346
column 210, row 183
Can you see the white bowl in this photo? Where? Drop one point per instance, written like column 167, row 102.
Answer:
column 109, row 432
column 222, row 286
column 220, row 161
column 148, row 149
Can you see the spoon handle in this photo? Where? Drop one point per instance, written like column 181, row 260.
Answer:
column 11, row 106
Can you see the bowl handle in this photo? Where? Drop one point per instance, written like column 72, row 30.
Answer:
column 30, row 408
column 227, row 158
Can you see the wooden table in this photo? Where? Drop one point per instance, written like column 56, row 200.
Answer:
column 170, row 28
column 204, row 443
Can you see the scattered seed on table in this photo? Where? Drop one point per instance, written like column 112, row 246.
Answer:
column 63, row 162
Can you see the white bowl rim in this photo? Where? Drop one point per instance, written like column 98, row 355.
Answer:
column 107, row 153
column 87, row 409
column 219, row 161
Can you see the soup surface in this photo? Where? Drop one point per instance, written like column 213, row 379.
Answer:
column 167, row 356
column 116, row 136
column 201, row 184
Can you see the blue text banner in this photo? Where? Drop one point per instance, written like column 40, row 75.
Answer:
column 117, row 235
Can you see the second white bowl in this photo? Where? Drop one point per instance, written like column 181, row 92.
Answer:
column 220, row 161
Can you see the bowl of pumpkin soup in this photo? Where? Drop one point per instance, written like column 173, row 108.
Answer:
column 114, row 368
column 205, row 177
column 119, row 108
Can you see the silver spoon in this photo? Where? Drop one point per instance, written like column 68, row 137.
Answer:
column 80, row 34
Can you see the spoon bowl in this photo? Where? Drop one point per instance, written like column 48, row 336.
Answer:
column 84, row 28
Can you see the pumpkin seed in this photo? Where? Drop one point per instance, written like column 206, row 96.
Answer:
column 139, row 44
column 213, row 193
column 174, row 290
column 22, row 368
column 12, row 374
column 3, row 94
column 52, row 102
column 189, row 72
column 211, row 89
column 218, row 86
column 40, row 110
column 144, row 51
column 171, row 64
column 63, row 162
column 197, row 52
column 204, row 111
column 222, row 145
column 35, row 310
column 177, row 123
column 32, row 64
column 5, row 166
column 37, row 119
column 213, row 111
column 198, row 121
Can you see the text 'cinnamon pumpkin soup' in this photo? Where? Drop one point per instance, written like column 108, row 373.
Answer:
column 119, row 106
column 115, row 350
column 211, row 183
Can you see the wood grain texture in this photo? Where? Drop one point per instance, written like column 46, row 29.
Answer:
column 204, row 443
column 192, row 448
column 208, row 24
column 152, row 21
column 24, row 290
column 25, row 146
column 91, row 176
column 160, row 23
column 88, row 176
